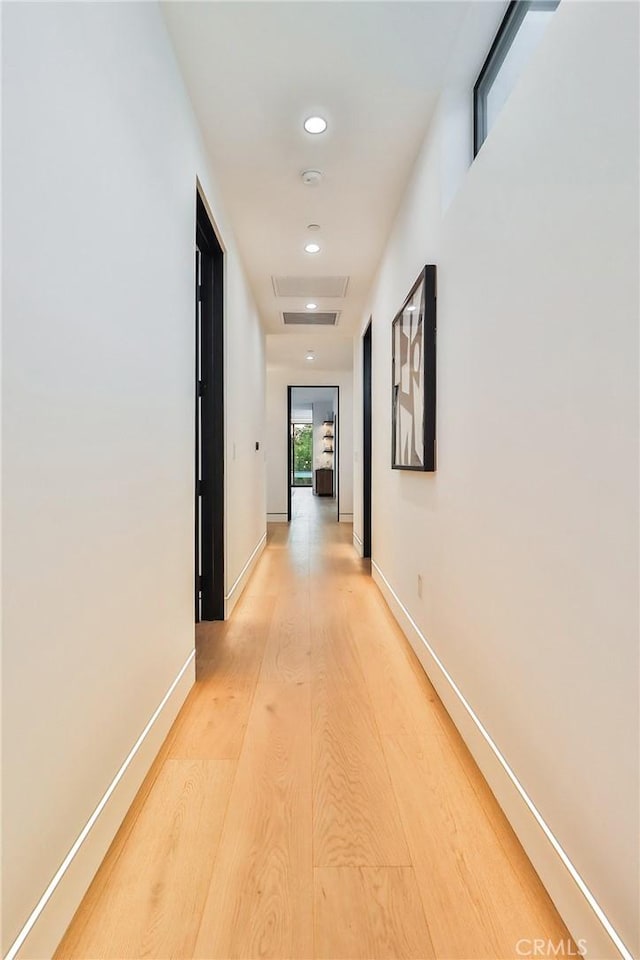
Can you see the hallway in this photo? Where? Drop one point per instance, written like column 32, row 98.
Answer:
column 313, row 798
column 310, row 509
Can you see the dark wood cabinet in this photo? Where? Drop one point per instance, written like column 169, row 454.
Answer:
column 323, row 486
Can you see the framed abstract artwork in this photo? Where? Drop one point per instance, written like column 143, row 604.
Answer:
column 413, row 378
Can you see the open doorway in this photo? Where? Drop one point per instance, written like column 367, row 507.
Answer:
column 209, row 421
column 313, row 471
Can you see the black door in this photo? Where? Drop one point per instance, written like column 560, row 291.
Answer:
column 366, row 442
column 209, row 465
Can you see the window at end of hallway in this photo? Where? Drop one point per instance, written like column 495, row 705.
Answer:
column 519, row 34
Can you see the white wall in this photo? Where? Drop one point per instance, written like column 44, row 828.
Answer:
column 526, row 536
column 278, row 378
column 100, row 160
column 245, row 484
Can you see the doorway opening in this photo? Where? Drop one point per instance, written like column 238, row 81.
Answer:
column 209, row 421
column 313, row 451
column 366, row 441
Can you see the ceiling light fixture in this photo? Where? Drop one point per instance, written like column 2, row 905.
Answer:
column 310, row 355
column 312, row 248
column 312, row 306
column 411, row 308
column 315, row 125
column 313, row 226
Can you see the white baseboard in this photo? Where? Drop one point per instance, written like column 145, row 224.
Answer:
column 242, row 579
column 577, row 906
column 346, row 518
column 277, row 518
column 357, row 544
column 47, row 924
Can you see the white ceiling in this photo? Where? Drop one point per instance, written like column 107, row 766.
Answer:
column 255, row 71
column 331, row 351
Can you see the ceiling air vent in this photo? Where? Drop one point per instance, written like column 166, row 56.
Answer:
column 311, row 319
column 310, row 286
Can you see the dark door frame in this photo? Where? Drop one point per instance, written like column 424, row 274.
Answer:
column 366, row 439
column 209, row 420
column 336, row 430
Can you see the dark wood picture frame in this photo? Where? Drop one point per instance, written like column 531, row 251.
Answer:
column 413, row 366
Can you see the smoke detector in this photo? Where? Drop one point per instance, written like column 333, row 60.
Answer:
column 311, row 178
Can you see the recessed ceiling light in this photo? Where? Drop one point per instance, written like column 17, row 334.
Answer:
column 313, row 226
column 312, row 306
column 315, row 125
column 312, row 248
column 310, row 355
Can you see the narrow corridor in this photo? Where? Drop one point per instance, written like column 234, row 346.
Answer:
column 313, row 799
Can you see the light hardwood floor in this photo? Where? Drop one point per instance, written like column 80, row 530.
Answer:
column 313, row 799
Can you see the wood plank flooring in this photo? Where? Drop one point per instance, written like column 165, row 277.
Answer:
column 313, row 798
